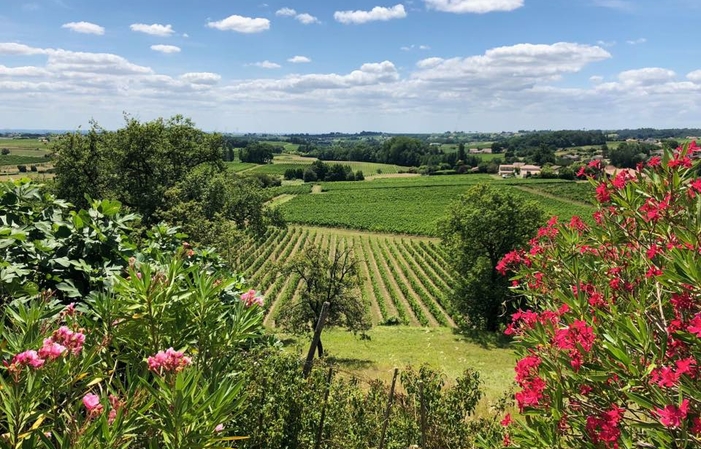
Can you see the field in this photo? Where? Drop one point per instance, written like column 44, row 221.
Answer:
column 414, row 205
column 403, row 277
column 399, row 346
column 282, row 162
column 15, row 159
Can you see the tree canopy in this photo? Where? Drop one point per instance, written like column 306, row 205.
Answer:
column 482, row 226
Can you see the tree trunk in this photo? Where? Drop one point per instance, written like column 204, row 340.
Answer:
column 320, row 349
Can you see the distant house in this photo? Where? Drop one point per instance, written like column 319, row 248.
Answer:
column 519, row 169
column 480, row 151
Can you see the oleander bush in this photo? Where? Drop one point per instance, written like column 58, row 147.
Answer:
column 611, row 342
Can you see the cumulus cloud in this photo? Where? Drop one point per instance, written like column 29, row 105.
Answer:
column 265, row 65
column 378, row 13
column 14, row 49
column 694, row 76
column 241, row 24
column 154, row 29
column 306, row 19
column 648, row 75
column 299, row 59
column 165, row 48
column 473, row 6
column 285, row 12
column 84, row 28
column 201, row 77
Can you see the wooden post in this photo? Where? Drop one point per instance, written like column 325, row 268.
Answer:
column 319, row 432
column 315, row 341
column 423, row 415
column 389, row 406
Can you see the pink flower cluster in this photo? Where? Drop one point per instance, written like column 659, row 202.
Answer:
column 169, row 360
column 249, row 298
column 605, row 428
column 59, row 344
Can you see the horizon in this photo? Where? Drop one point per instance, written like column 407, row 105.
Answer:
column 291, row 67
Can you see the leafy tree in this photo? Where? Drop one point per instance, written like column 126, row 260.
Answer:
column 5, row 151
column 482, row 226
column 257, row 152
column 333, row 278
column 461, row 152
column 135, row 165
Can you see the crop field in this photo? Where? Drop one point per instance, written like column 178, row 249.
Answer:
column 410, row 205
column 14, row 159
column 582, row 192
column 403, row 277
column 283, row 162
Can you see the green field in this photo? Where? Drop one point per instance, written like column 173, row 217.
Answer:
column 282, row 162
column 408, row 205
column 399, row 346
column 15, row 159
column 403, row 277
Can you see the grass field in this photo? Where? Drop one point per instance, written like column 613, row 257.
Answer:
column 399, row 346
column 403, row 277
column 282, row 162
column 410, row 205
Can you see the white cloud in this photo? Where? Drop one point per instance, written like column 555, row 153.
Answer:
column 201, row 77
column 265, row 65
column 241, row 24
column 694, row 76
column 429, row 62
column 299, row 59
column 84, row 28
column 285, row 12
column 606, row 43
column 11, row 48
column 377, row 13
column 623, row 5
column 473, row 6
column 412, row 46
column 153, row 29
column 185, row 35
column 306, row 19
column 24, row 72
column 646, row 76
column 165, row 48
column 596, row 79
column 639, row 41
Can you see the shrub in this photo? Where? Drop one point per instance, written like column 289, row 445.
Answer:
column 5, row 151
column 611, row 345
column 22, row 168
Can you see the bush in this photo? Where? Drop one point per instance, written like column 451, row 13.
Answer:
column 5, row 151
column 611, row 345
column 22, row 168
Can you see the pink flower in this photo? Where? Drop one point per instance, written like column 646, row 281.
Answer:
column 672, row 416
column 219, row 428
column 28, row 358
column 71, row 340
column 51, row 350
column 506, row 421
column 249, row 298
column 92, row 404
column 695, row 325
column 170, row 360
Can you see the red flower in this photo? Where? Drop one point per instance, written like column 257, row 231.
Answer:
column 506, row 421
column 695, row 325
column 672, row 416
column 654, row 161
column 604, row 428
column 602, row 193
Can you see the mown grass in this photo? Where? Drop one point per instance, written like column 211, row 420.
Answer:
column 399, row 346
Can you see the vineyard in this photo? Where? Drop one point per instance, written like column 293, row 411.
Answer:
column 405, row 279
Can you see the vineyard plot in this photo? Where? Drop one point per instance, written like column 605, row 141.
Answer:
column 403, row 278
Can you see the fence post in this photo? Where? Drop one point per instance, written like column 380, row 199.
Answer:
column 389, row 406
column 323, row 409
column 315, row 341
column 423, row 415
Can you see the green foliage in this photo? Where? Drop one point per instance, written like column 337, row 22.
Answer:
column 257, row 153
column 48, row 246
column 164, row 298
column 611, row 341
column 629, row 154
column 135, row 165
column 481, row 227
column 12, row 159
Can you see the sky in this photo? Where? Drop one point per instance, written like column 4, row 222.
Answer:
column 294, row 66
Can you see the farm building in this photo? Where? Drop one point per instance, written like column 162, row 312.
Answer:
column 519, row 169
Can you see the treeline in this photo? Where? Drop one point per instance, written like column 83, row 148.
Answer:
column 404, row 151
column 320, row 171
column 652, row 133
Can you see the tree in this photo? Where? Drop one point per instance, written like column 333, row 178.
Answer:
column 333, row 278
column 257, row 153
column 461, row 152
column 5, row 151
column 136, row 164
column 482, row 226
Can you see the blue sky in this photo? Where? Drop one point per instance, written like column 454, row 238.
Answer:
column 303, row 66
